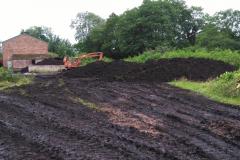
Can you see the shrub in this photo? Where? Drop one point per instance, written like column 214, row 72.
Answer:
column 8, row 79
column 6, row 75
column 226, row 84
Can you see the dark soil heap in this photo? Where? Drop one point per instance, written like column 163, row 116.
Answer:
column 164, row 70
column 51, row 61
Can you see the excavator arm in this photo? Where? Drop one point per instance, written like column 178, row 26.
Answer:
column 76, row 62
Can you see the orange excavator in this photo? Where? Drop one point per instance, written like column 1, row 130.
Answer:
column 76, row 62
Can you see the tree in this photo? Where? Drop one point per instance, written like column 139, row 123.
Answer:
column 84, row 23
column 195, row 24
column 43, row 33
column 155, row 24
column 211, row 38
column 111, row 36
column 222, row 30
column 60, row 46
column 228, row 20
column 162, row 25
column 94, row 40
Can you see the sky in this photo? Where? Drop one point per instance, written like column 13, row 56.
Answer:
column 16, row 15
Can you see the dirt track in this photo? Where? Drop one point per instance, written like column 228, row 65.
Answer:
column 60, row 118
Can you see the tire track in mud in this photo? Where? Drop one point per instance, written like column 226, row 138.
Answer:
column 209, row 141
column 81, row 135
column 62, row 134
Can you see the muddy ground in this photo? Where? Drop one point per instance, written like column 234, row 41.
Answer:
column 51, row 61
column 85, row 118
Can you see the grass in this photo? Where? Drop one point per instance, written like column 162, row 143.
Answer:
column 86, row 103
column 227, row 56
column 222, row 89
column 202, row 88
column 9, row 80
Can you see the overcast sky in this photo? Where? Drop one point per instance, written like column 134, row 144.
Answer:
column 16, row 15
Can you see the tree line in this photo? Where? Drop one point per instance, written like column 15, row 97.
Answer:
column 155, row 25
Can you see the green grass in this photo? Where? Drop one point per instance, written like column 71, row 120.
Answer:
column 227, row 56
column 10, row 80
column 86, row 103
column 222, row 89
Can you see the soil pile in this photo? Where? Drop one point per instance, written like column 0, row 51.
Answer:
column 164, row 70
column 51, row 61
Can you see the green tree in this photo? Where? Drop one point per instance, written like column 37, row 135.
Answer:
column 228, row 20
column 130, row 34
column 43, row 33
column 155, row 24
column 111, row 36
column 94, row 40
column 211, row 38
column 84, row 23
column 60, row 46
column 194, row 24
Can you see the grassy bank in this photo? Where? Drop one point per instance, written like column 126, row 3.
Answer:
column 222, row 89
column 9, row 80
column 228, row 56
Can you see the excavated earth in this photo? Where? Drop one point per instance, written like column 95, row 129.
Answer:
column 152, row 71
column 51, row 61
column 80, row 117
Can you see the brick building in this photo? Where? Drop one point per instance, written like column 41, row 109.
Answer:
column 21, row 51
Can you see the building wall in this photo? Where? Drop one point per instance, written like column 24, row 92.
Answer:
column 19, row 64
column 22, row 44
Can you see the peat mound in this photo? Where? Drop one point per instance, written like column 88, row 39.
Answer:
column 51, row 61
column 164, row 70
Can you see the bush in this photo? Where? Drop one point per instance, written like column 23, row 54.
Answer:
column 6, row 75
column 8, row 79
column 226, row 84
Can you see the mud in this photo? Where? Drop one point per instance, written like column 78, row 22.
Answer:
column 80, row 118
column 62, row 118
column 159, row 71
column 51, row 61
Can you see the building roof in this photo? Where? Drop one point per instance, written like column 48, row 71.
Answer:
column 24, row 34
column 29, row 56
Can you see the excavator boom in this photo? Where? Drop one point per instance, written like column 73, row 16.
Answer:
column 76, row 62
